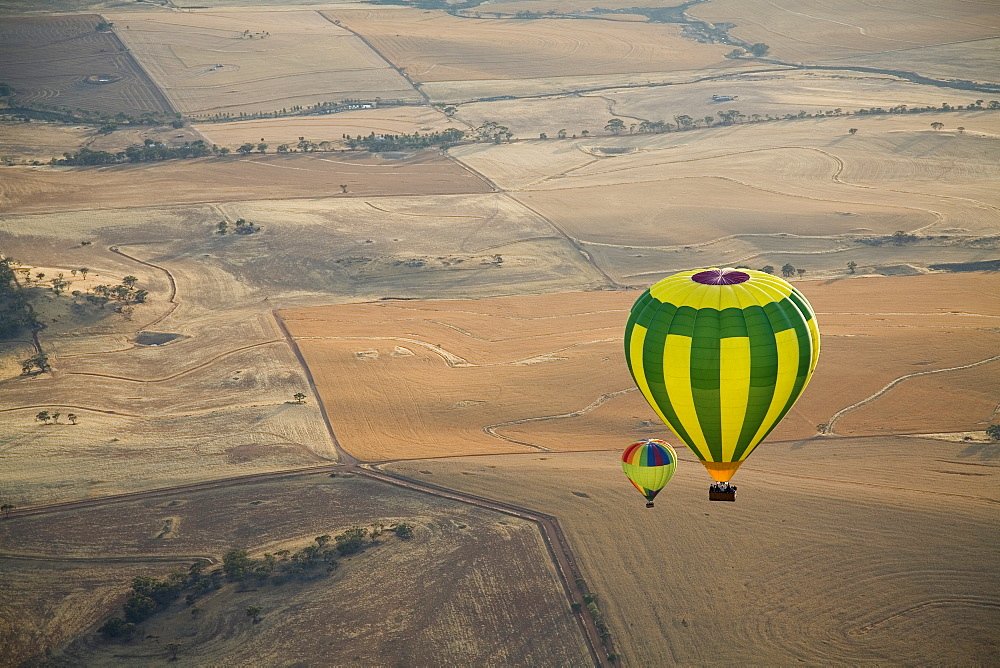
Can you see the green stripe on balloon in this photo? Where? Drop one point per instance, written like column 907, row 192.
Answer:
column 705, row 383
column 763, row 374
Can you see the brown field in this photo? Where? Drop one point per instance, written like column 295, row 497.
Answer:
column 174, row 182
column 795, row 191
column 304, row 60
column 470, row 585
column 331, row 127
column 434, row 46
column 214, row 403
column 837, row 551
column 817, row 32
column 409, row 380
column 47, row 61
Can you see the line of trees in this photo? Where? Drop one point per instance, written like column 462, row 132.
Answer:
column 386, row 142
column 149, row 151
column 16, row 313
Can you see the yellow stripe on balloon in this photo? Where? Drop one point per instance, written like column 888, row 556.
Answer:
column 734, row 390
column 635, row 357
column 677, row 376
column 788, row 366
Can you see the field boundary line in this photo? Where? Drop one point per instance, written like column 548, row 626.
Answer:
column 345, row 457
column 552, row 534
column 143, row 72
column 172, row 299
column 418, row 89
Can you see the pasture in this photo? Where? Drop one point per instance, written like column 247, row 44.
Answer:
column 65, row 61
column 212, row 63
column 235, row 177
column 837, row 551
column 411, row 380
column 330, row 127
column 466, row 573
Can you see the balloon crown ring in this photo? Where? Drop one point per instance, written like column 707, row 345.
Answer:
column 720, row 277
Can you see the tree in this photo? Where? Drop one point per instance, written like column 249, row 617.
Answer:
column 561, row 134
column 253, row 612
column 116, row 627
column 236, row 564
column 299, row 397
column 282, row 148
column 936, row 125
column 961, row 130
column 43, row 416
column 72, row 418
column 450, row 110
column 709, row 120
column 767, row 269
column 130, row 281
column 853, row 131
column 852, row 266
column 55, row 417
column 993, row 431
column 84, row 271
column 800, row 272
column 6, row 508
column 585, row 133
column 684, row 121
column 262, row 147
column 787, row 270
column 246, row 149
column 759, row 49
column 542, row 135
column 402, row 530
column 222, row 227
column 615, row 125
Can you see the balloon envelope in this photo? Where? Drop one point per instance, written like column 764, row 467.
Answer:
column 721, row 355
column 649, row 464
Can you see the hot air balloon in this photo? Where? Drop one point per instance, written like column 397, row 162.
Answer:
column 721, row 355
column 649, row 464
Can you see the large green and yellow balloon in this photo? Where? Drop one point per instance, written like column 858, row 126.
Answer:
column 722, row 355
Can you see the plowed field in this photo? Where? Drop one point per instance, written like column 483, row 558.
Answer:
column 64, row 61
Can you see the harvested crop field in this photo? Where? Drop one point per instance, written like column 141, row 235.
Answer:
column 406, row 380
column 66, row 62
column 435, row 46
column 207, row 64
column 331, row 127
column 813, row 31
column 837, row 551
column 467, row 573
column 791, row 191
column 253, row 177
column 775, row 93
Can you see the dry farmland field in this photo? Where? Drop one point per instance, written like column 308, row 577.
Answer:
column 869, row 550
column 232, row 178
column 290, row 58
column 409, row 380
column 331, row 127
column 432, row 46
column 470, row 585
column 62, row 60
column 768, row 193
column 895, row 32
column 757, row 95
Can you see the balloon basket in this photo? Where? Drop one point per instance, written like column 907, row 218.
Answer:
column 649, row 504
column 714, row 495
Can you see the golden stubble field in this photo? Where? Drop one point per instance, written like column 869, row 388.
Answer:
column 769, row 193
column 471, row 585
column 758, row 94
column 410, row 380
column 837, row 551
column 286, row 59
column 331, row 127
column 457, row 58
column 887, row 34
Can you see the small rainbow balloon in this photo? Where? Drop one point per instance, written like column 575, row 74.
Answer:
column 649, row 465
